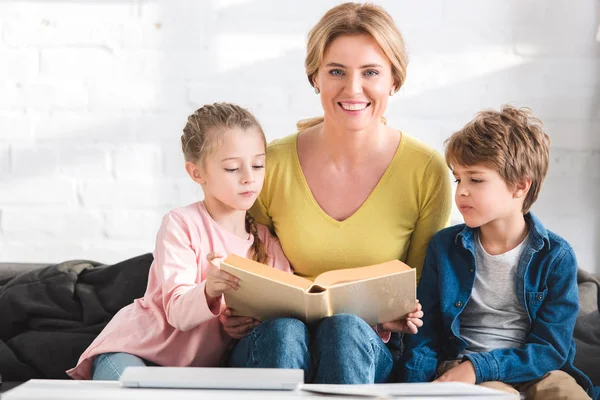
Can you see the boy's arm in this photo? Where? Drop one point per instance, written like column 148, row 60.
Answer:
column 420, row 355
column 435, row 199
column 548, row 342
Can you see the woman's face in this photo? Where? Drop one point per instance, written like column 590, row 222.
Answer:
column 355, row 79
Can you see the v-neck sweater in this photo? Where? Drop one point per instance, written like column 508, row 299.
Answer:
column 411, row 202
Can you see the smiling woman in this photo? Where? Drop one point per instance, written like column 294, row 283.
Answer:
column 346, row 191
column 355, row 83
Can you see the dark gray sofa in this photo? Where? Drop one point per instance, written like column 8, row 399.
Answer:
column 8, row 271
column 587, row 330
column 49, row 314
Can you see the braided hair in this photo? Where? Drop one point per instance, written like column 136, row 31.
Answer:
column 258, row 251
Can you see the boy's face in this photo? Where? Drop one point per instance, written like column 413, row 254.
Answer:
column 483, row 197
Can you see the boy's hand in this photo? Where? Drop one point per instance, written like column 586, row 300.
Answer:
column 410, row 324
column 217, row 281
column 463, row 372
column 236, row 327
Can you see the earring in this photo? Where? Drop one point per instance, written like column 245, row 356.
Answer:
column 317, row 91
column 392, row 91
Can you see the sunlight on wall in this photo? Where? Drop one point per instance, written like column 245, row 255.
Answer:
column 237, row 50
column 224, row 4
column 95, row 94
column 434, row 71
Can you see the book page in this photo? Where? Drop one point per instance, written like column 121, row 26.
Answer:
column 265, row 271
column 265, row 292
column 316, row 304
column 376, row 300
column 330, row 278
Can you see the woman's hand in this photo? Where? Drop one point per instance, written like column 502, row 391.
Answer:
column 236, row 327
column 463, row 372
column 410, row 324
column 217, row 281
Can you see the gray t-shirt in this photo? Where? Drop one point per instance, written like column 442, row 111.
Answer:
column 493, row 317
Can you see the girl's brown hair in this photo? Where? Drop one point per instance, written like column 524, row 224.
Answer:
column 512, row 141
column 201, row 136
column 355, row 19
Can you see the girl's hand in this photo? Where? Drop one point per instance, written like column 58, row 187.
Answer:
column 217, row 281
column 236, row 327
column 410, row 324
column 463, row 372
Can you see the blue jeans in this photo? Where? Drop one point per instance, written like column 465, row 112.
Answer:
column 340, row 349
column 110, row 366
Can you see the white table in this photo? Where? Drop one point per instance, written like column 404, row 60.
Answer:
column 101, row 390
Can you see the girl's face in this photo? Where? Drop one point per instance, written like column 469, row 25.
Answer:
column 233, row 174
column 355, row 79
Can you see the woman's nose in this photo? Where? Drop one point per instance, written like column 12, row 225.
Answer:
column 354, row 84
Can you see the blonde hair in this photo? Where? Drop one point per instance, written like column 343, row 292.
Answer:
column 355, row 19
column 511, row 141
column 201, row 136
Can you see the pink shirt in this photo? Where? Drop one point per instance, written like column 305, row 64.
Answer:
column 172, row 325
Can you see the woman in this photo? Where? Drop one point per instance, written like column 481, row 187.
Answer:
column 346, row 191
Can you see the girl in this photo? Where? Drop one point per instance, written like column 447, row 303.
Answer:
column 176, row 323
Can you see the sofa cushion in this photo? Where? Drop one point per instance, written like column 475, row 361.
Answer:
column 10, row 270
column 587, row 327
column 50, row 315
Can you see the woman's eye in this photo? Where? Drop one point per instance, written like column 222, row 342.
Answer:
column 476, row 180
column 457, row 181
column 258, row 166
column 371, row 72
column 231, row 169
column 336, row 72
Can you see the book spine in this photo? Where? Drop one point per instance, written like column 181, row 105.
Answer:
column 316, row 304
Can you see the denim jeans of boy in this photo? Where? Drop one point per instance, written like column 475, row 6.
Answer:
column 340, row 349
column 110, row 366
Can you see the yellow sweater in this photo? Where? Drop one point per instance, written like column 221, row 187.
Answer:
column 410, row 203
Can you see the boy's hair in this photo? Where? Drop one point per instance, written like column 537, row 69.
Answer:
column 511, row 141
column 201, row 136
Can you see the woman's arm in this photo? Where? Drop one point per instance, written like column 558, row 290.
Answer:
column 420, row 353
column 435, row 203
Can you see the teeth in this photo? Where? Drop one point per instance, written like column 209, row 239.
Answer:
column 354, row 107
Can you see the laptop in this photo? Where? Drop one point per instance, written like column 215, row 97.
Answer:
column 212, row 378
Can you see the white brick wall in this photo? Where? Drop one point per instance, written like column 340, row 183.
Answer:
column 94, row 94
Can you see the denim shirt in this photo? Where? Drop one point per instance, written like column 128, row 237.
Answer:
column 546, row 288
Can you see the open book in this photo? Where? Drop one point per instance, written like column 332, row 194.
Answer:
column 377, row 293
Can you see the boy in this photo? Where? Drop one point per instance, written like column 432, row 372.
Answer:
column 499, row 293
